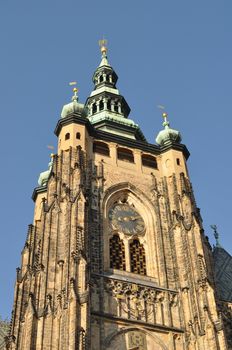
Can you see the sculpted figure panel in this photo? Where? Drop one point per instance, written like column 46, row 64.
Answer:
column 134, row 339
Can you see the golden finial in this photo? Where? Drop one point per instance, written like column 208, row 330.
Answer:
column 75, row 90
column 164, row 115
column 103, row 45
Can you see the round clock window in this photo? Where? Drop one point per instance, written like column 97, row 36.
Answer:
column 124, row 218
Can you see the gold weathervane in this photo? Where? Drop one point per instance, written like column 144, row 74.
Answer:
column 51, row 148
column 164, row 114
column 75, row 90
column 103, row 45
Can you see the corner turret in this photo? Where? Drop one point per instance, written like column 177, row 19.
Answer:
column 44, row 176
column 69, row 129
column 168, row 135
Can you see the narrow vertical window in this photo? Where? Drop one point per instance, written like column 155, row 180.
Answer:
column 117, row 253
column 94, row 108
column 101, row 105
column 109, row 105
column 67, row 136
column 137, row 258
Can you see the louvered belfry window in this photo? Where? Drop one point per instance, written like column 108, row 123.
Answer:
column 137, row 258
column 117, row 253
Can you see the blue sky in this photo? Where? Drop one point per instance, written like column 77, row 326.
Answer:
column 175, row 53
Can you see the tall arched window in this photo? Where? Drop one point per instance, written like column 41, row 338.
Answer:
column 109, row 105
column 137, row 258
column 116, row 107
column 101, row 105
column 94, row 108
column 117, row 253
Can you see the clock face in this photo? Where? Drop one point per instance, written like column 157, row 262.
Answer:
column 126, row 219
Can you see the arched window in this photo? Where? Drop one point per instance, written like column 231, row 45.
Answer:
column 78, row 136
column 108, row 78
column 116, row 107
column 94, row 108
column 117, row 253
column 101, row 105
column 101, row 78
column 109, row 105
column 125, row 154
column 137, row 258
column 67, row 136
column 149, row 161
column 101, row 148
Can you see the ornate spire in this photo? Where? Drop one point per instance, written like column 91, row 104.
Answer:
column 107, row 108
column 216, row 235
column 168, row 135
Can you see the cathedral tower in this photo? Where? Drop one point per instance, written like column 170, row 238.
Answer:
column 116, row 257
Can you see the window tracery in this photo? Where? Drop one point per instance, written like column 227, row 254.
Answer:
column 137, row 257
column 127, row 251
column 117, row 253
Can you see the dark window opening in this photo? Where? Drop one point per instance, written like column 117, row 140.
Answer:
column 108, row 78
column 137, row 258
column 78, row 136
column 101, row 148
column 125, row 154
column 67, row 136
column 117, row 253
column 116, row 108
column 149, row 161
column 94, row 108
column 177, row 161
column 101, row 105
column 101, row 79
column 109, row 105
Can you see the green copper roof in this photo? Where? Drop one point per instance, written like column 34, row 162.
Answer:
column 168, row 135
column 43, row 177
column 106, row 115
column 72, row 107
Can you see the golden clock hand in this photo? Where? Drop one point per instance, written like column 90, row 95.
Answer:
column 133, row 218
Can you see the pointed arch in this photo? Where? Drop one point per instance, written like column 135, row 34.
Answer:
column 147, row 248
column 126, row 330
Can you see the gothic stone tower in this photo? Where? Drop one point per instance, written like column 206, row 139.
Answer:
column 116, row 257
